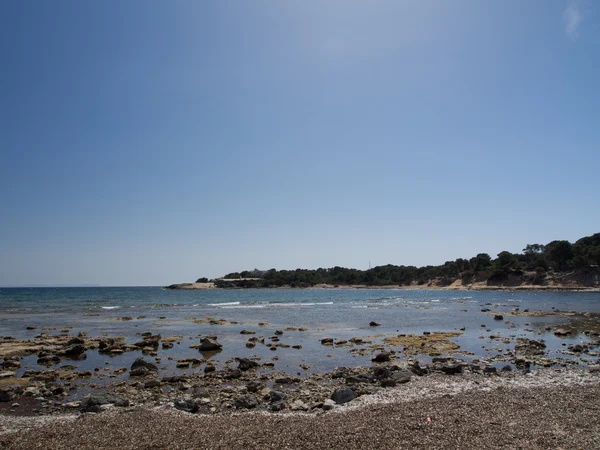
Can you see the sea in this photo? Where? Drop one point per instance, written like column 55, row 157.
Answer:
column 337, row 313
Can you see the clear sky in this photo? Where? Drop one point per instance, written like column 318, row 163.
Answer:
column 152, row 142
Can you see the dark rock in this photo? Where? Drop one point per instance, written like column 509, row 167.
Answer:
column 73, row 350
column 5, row 396
column 498, row 317
column 327, row 341
column 247, row 401
column 59, row 390
column 209, row 344
column 451, row 368
column 401, row 376
column 506, row 368
column 253, row 386
column 529, row 347
column 139, row 372
column 417, row 369
column 277, row 406
column 175, row 379
column 141, row 362
column 187, row 404
column 152, row 384
column 343, row 395
column 232, row 374
column 247, row 332
column 360, row 378
column 381, row 357
column 209, row 368
column 278, row 332
column 94, row 402
column 374, row 324
column 276, row 396
column 284, row 380
column 75, row 340
column 490, row 369
column 562, row 332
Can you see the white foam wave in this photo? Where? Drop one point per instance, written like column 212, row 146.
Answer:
column 224, row 304
column 111, row 307
column 300, row 304
column 246, row 306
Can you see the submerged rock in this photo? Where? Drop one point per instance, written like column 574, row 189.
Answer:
column 562, row 332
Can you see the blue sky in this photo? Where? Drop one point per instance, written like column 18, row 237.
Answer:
column 151, row 142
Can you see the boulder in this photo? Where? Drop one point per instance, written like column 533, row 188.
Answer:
column 275, row 396
column 209, row 344
column 374, row 324
column 5, row 396
column 187, row 405
column 247, row 401
column 401, row 376
column 141, row 362
column 152, row 384
column 381, row 357
column 498, row 317
column 277, row 406
column 450, row 368
column 94, row 402
column 246, row 364
column 73, row 350
column 139, row 372
column 343, row 395
column 327, row 341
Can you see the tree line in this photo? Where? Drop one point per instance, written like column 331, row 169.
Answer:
column 533, row 265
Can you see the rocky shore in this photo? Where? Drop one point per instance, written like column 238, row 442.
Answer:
column 248, row 382
column 547, row 408
column 43, row 383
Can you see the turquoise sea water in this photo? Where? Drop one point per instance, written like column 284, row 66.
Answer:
column 337, row 313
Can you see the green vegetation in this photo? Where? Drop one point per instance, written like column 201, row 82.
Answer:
column 533, row 265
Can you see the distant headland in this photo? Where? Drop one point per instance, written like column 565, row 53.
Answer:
column 558, row 265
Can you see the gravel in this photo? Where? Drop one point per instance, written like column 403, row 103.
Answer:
column 547, row 409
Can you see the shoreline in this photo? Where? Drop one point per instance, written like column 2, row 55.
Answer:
column 452, row 287
column 467, row 411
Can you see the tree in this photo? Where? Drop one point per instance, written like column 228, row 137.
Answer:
column 482, row 261
column 559, row 253
column 533, row 249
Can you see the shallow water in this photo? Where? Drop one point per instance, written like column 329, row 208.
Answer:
column 337, row 313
